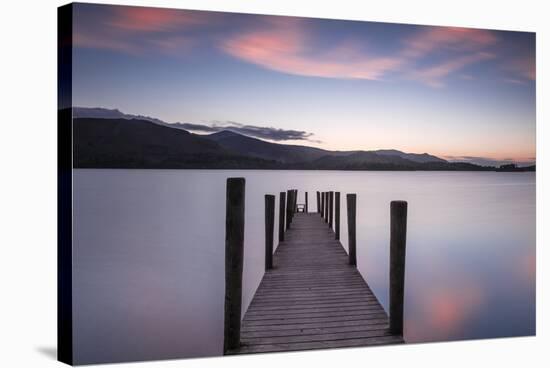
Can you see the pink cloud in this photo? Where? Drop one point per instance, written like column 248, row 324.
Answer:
column 154, row 19
column 433, row 75
column 287, row 45
column 459, row 39
column 137, row 30
column 467, row 44
column 524, row 67
column 284, row 47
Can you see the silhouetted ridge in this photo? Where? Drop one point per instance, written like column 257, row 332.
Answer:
column 145, row 143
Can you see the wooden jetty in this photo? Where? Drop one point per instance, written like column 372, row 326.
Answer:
column 312, row 296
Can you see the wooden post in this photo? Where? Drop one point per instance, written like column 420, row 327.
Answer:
column 269, row 227
column 318, row 202
column 322, row 204
column 337, row 215
column 352, row 207
column 292, row 204
column 288, row 208
column 234, row 248
column 305, row 209
column 295, row 200
column 282, row 199
column 398, row 241
column 330, row 208
column 326, row 207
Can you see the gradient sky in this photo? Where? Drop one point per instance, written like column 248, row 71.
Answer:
column 461, row 94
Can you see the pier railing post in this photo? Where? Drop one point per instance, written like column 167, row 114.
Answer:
column 322, row 204
column 318, row 202
column 295, row 208
column 330, row 209
column 398, row 240
column 337, row 215
column 282, row 199
column 269, row 227
column 306, row 209
column 234, row 248
column 292, row 206
column 352, row 209
column 326, row 207
column 288, row 208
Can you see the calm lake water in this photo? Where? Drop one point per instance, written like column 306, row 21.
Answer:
column 149, row 254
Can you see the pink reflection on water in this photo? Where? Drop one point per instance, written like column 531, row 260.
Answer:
column 441, row 314
column 527, row 267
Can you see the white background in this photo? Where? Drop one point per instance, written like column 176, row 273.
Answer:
column 28, row 182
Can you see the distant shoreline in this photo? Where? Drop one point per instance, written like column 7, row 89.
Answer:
column 119, row 143
column 274, row 169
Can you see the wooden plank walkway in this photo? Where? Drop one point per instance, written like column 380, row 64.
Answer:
column 312, row 298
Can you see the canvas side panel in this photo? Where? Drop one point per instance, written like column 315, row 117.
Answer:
column 64, row 185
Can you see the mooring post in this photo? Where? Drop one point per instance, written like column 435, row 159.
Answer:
column 288, row 208
column 269, row 227
column 398, row 241
column 305, row 209
column 322, row 204
column 282, row 199
column 295, row 200
column 293, row 205
column 337, row 215
column 330, row 209
column 327, row 206
column 318, row 202
column 234, row 248
column 352, row 207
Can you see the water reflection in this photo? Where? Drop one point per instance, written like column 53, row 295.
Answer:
column 149, row 254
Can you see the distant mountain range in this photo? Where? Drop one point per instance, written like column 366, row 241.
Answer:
column 106, row 138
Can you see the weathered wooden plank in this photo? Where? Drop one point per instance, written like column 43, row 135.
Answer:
column 363, row 323
column 314, row 293
column 298, row 289
column 331, row 336
column 286, row 317
column 353, row 299
column 306, row 298
column 369, row 341
column 334, row 311
column 247, row 323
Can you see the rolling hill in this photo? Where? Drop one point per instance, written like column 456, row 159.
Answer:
column 110, row 139
column 134, row 143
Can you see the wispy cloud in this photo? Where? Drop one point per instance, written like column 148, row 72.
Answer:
column 434, row 75
column 428, row 55
column 523, row 67
column 263, row 132
column 432, row 39
column 463, row 47
column 139, row 30
column 146, row 19
column 284, row 46
column 166, row 45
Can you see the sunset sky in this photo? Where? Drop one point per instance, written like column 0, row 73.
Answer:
column 461, row 94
